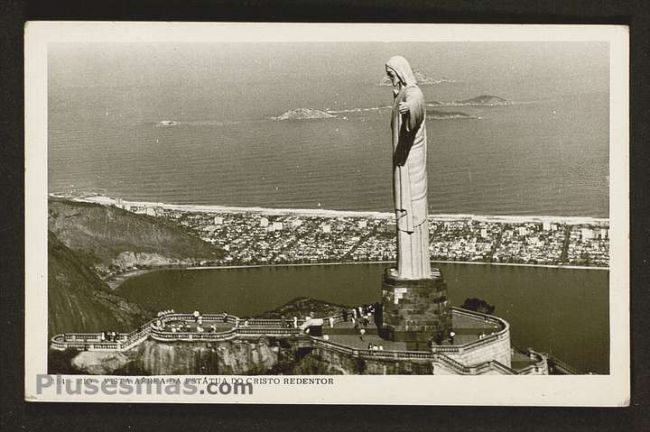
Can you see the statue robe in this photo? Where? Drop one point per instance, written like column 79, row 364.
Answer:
column 410, row 184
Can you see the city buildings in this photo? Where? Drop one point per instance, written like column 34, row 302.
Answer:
column 255, row 238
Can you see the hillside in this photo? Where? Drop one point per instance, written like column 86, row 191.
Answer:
column 301, row 306
column 78, row 301
column 113, row 238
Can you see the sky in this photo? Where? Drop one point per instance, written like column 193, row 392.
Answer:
column 574, row 66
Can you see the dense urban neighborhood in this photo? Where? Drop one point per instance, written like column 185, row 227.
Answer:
column 254, row 237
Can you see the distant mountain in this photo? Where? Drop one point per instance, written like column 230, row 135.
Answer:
column 483, row 100
column 421, row 78
column 448, row 115
column 304, row 114
column 112, row 238
column 79, row 301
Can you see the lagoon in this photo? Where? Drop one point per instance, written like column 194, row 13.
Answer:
column 564, row 312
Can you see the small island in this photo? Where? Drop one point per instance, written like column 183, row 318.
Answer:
column 485, row 100
column 422, row 79
column 449, row 115
column 482, row 100
column 304, row 114
column 167, row 123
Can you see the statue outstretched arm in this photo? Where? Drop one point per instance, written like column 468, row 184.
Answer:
column 413, row 109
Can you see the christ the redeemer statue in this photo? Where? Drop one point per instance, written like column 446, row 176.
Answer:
column 409, row 171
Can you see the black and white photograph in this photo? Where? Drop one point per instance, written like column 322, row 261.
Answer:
column 270, row 212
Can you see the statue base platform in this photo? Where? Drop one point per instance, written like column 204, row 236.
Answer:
column 415, row 311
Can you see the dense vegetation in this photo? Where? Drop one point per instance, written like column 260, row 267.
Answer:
column 478, row 305
column 302, row 306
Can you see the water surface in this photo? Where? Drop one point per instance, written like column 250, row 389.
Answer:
column 560, row 311
column 546, row 154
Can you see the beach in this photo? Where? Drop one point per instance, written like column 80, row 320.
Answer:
column 325, row 213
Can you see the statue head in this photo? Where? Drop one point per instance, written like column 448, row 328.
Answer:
column 398, row 68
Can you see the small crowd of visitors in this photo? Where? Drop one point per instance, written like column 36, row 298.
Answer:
column 185, row 327
column 285, row 323
column 362, row 315
column 109, row 336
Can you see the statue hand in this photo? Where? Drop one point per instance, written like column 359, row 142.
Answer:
column 403, row 108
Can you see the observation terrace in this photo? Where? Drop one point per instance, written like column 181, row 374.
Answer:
column 481, row 344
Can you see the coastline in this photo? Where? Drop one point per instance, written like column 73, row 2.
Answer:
column 116, row 281
column 205, row 208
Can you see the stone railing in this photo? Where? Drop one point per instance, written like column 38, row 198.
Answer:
column 257, row 327
column 562, row 367
column 456, row 366
column 503, row 332
column 247, row 331
column 539, row 367
column 123, row 341
column 503, row 324
column 194, row 336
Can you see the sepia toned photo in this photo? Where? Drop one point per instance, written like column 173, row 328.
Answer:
column 274, row 213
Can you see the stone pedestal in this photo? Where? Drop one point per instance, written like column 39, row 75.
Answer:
column 415, row 310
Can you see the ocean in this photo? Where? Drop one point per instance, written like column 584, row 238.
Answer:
column 545, row 154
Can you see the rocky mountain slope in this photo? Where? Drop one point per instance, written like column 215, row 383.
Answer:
column 79, row 301
column 87, row 241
